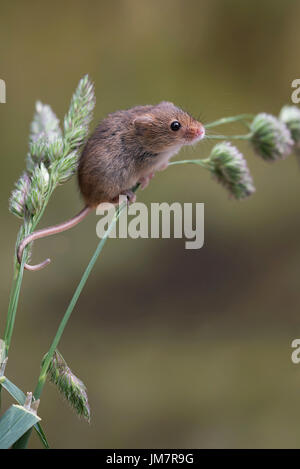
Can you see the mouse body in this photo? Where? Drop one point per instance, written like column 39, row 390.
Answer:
column 129, row 146
column 126, row 148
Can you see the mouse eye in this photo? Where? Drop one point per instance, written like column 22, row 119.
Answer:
column 175, row 125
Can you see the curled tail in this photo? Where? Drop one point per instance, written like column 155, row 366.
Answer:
column 51, row 230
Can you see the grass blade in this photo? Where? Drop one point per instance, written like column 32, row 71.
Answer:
column 14, row 423
column 20, row 397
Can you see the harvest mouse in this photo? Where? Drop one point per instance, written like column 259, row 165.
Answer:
column 126, row 148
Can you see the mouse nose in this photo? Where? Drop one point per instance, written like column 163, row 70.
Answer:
column 195, row 132
column 200, row 131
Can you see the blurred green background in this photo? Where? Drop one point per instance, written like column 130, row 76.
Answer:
column 178, row 348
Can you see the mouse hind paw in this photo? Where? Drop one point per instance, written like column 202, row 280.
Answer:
column 131, row 196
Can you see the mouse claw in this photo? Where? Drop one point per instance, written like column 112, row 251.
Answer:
column 131, row 196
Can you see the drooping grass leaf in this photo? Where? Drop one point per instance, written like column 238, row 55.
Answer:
column 14, row 423
column 20, row 397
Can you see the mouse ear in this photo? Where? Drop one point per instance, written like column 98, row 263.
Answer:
column 166, row 103
column 142, row 122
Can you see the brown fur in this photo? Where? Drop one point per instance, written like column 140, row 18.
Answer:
column 127, row 146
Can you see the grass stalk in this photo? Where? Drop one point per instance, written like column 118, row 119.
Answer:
column 17, row 281
column 23, row 441
column 202, row 162
column 229, row 137
column 228, row 120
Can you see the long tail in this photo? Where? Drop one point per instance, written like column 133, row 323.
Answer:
column 51, row 230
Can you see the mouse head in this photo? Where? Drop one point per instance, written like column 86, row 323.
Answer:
column 166, row 126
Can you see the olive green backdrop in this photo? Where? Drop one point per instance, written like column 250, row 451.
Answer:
column 178, row 348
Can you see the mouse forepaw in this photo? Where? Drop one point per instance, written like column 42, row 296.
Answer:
column 144, row 181
column 131, row 196
column 163, row 166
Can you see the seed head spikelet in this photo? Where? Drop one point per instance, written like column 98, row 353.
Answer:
column 290, row 116
column 229, row 167
column 270, row 137
column 69, row 385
